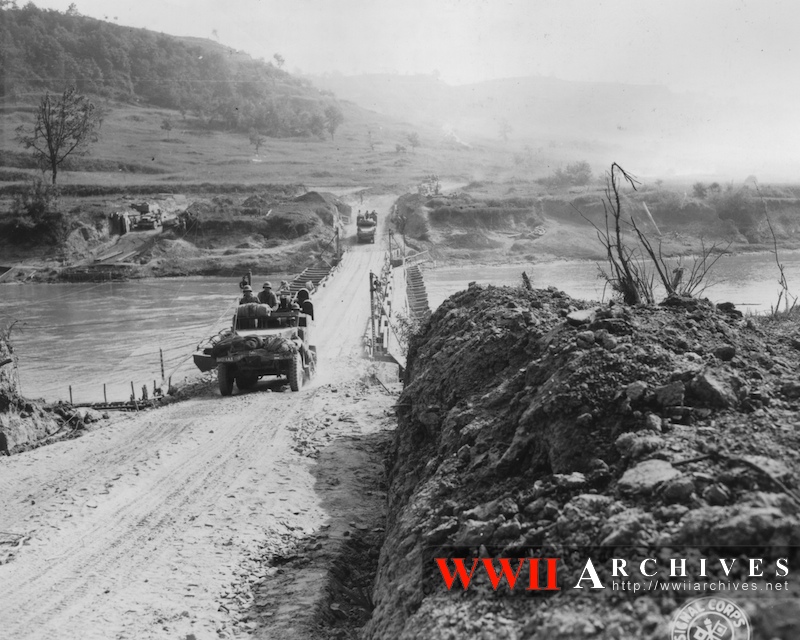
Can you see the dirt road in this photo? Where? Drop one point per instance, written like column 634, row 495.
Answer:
column 214, row 517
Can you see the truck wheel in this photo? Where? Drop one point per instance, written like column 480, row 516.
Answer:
column 296, row 372
column 246, row 381
column 225, row 379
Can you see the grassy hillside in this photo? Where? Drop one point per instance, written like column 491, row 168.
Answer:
column 221, row 88
column 134, row 150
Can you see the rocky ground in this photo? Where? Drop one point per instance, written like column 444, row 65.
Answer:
column 531, row 423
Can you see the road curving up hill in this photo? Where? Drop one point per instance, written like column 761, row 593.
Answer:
column 214, row 516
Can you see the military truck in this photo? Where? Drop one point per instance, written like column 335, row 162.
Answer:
column 262, row 343
column 151, row 216
column 365, row 227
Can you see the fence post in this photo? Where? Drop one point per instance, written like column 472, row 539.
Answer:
column 105, row 397
column 70, row 394
column 161, row 355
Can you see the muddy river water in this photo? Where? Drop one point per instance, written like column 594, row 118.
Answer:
column 88, row 335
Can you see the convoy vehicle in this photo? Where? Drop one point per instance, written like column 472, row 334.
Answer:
column 365, row 227
column 150, row 215
column 149, row 221
column 262, row 343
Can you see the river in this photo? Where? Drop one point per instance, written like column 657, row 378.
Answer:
column 88, row 335
column 85, row 335
column 748, row 280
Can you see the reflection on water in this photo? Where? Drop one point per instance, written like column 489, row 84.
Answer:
column 749, row 280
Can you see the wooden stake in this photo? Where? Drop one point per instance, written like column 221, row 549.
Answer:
column 70, row 394
column 105, row 397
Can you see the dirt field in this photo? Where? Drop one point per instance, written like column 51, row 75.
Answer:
column 211, row 518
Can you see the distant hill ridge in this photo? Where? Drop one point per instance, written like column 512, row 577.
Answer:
column 529, row 103
column 651, row 127
column 48, row 50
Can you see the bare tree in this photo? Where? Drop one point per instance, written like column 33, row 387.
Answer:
column 413, row 139
column 630, row 273
column 784, row 294
column 64, row 126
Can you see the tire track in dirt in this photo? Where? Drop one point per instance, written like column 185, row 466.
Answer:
column 129, row 528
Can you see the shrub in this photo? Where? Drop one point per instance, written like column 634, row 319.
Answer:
column 740, row 207
column 576, row 174
column 699, row 190
column 39, row 218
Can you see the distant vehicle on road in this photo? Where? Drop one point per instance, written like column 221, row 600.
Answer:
column 365, row 226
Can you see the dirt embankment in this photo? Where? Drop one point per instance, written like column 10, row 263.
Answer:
column 24, row 422
column 487, row 228
column 531, row 422
column 277, row 231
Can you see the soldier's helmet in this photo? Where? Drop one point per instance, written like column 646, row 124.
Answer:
column 247, row 287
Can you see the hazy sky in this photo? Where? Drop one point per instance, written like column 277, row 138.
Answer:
column 739, row 47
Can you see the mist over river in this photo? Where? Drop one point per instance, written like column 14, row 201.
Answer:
column 85, row 335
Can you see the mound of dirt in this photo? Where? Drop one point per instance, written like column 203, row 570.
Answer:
column 81, row 241
column 22, row 421
column 532, row 424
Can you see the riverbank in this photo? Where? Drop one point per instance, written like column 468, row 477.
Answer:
column 481, row 223
column 282, row 229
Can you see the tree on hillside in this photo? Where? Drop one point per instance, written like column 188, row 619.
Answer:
column 166, row 125
column 413, row 139
column 333, row 118
column 65, row 125
column 256, row 139
column 279, row 60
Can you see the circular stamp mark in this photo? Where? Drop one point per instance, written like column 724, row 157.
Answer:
column 711, row 618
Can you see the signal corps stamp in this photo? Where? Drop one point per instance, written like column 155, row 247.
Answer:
column 711, row 618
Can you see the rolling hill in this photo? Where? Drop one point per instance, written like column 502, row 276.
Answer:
column 658, row 131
